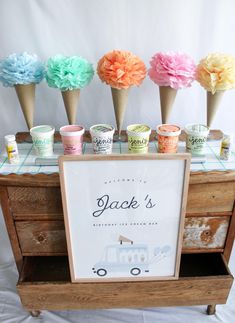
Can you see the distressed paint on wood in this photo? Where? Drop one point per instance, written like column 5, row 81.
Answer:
column 205, row 232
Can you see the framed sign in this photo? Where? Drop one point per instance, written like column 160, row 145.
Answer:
column 124, row 215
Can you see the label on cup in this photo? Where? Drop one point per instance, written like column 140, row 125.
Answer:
column 138, row 138
column 196, row 137
column 72, row 139
column 168, row 137
column 102, row 138
column 43, row 139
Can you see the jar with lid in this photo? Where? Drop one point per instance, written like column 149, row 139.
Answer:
column 11, row 148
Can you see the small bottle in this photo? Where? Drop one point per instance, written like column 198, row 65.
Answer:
column 11, row 148
column 226, row 146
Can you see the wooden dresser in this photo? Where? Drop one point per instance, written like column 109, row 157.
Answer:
column 33, row 214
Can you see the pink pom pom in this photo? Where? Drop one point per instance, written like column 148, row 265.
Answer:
column 176, row 70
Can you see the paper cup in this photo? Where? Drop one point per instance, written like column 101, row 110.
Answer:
column 196, row 136
column 168, row 137
column 43, row 139
column 102, row 138
column 138, row 138
column 72, row 139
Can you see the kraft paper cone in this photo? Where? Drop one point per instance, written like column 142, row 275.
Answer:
column 167, row 99
column 120, row 98
column 71, row 98
column 213, row 102
column 26, row 96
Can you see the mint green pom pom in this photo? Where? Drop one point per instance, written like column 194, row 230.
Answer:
column 68, row 73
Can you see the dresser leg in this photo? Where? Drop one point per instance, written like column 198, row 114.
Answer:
column 35, row 313
column 211, row 309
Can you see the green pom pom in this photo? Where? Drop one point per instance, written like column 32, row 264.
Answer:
column 68, row 73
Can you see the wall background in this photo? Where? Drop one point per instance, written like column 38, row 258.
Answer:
column 91, row 28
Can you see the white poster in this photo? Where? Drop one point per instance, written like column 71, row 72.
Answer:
column 123, row 217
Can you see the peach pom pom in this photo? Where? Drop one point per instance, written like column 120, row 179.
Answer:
column 121, row 69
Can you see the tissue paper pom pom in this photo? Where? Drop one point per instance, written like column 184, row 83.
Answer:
column 21, row 69
column 176, row 70
column 68, row 73
column 216, row 72
column 121, row 69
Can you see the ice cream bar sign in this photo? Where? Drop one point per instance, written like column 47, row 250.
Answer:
column 124, row 215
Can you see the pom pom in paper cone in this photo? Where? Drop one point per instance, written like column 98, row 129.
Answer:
column 71, row 98
column 26, row 96
column 213, row 102
column 216, row 73
column 171, row 71
column 120, row 97
column 23, row 71
column 69, row 74
column 121, row 69
column 167, row 99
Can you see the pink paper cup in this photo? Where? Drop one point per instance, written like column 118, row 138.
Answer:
column 72, row 139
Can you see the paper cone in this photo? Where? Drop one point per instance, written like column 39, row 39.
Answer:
column 167, row 99
column 119, row 102
column 71, row 98
column 26, row 96
column 213, row 102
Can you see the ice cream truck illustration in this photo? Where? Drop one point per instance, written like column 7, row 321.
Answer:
column 128, row 257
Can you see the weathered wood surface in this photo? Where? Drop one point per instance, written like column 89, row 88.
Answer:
column 35, row 200
column 41, row 237
column 202, row 198
column 211, row 197
column 182, row 292
column 205, row 232
column 48, row 237
column 10, row 227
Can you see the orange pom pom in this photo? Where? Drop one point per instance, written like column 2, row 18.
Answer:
column 121, row 69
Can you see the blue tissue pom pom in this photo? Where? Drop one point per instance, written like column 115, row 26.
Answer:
column 21, row 69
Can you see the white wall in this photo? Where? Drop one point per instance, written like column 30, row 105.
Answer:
column 91, row 28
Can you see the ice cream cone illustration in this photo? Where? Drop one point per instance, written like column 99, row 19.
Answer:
column 213, row 102
column 26, row 96
column 120, row 98
column 167, row 99
column 71, row 98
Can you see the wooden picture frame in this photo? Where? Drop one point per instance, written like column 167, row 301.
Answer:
column 124, row 215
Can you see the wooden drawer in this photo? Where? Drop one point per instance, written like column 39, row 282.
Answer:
column 211, row 197
column 45, row 202
column 41, row 237
column 48, row 237
column 35, row 200
column 205, row 232
column 45, row 284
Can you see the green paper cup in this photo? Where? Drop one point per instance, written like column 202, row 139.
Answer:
column 138, row 138
column 43, row 139
column 196, row 137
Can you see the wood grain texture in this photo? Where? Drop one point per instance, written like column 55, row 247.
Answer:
column 35, row 200
column 211, row 197
column 182, row 292
column 41, row 237
column 230, row 237
column 201, row 234
column 10, row 227
column 205, row 232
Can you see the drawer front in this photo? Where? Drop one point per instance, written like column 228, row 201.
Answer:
column 35, row 200
column 214, row 197
column 205, row 232
column 41, row 237
column 45, row 284
column 48, row 237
